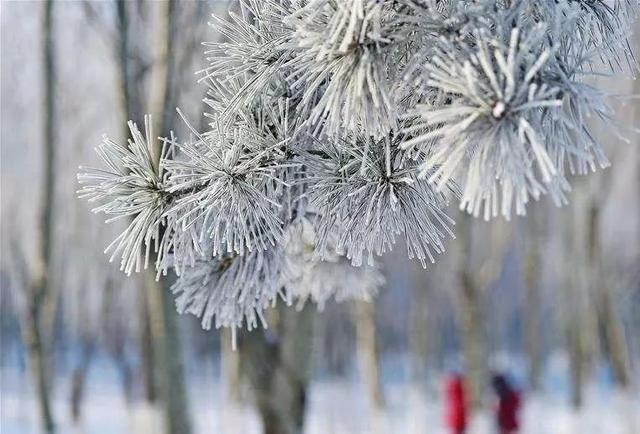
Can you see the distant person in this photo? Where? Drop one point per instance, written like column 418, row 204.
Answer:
column 455, row 404
column 507, row 407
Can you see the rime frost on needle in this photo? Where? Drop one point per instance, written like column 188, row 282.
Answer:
column 501, row 122
column 252, row 53
column 340, row 65
column 365, row 209
column 232, row 177
column 340, row 126
column 602, row 27
column 131, row 186
column 231, row 290
column 320, row 280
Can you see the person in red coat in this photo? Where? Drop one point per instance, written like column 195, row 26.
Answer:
column 507, row 406
column 455, row 404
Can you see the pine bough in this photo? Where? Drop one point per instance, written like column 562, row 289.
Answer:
column 340, row 126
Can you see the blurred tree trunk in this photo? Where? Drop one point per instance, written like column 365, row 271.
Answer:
column 368, row 351
column 115, row 336
column 130, row 94
column 277, row 363
column 422, row 349
column 471, row 324
column 169, row 372
column 576, row 359
column 418, row 336
column 574, row 303
column 532, row 271
column 230, row 367
column 79, row 376
column 469, row 315
column 131, row 103
column 167, row 353
column 608, row 321
column 41, row 295
column 634, row 336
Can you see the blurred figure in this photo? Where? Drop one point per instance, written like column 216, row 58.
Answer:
column 507, row 406
column 455, row 404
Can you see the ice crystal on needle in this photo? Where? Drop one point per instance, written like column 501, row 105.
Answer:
column 339, row 64
column 230, row 290
column 505, row 120
column 132, row 185
column 231, row 176
column 366, row 209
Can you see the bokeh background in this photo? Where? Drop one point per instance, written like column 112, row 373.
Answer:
column 551, row 300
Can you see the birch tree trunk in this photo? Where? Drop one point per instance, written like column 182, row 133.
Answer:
column 368, row 351
column 40, row 292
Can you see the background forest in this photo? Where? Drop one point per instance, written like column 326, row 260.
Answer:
column 552, row 299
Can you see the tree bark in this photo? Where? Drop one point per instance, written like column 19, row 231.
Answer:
column 277, row 363
column 40, row 292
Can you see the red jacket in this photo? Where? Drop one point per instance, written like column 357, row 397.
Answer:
column 507, row 410
column 455, row 404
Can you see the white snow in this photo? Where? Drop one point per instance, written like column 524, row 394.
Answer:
column 336, row 407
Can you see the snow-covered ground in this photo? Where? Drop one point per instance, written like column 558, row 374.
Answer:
column 336, row 407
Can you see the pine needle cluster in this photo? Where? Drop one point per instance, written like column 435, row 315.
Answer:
column 338, row 127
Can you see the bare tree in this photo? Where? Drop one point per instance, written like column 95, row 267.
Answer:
column 41, row 296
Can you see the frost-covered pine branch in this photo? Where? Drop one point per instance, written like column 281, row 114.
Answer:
column 338, row 127
column 233, row 179
column 506, row 115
